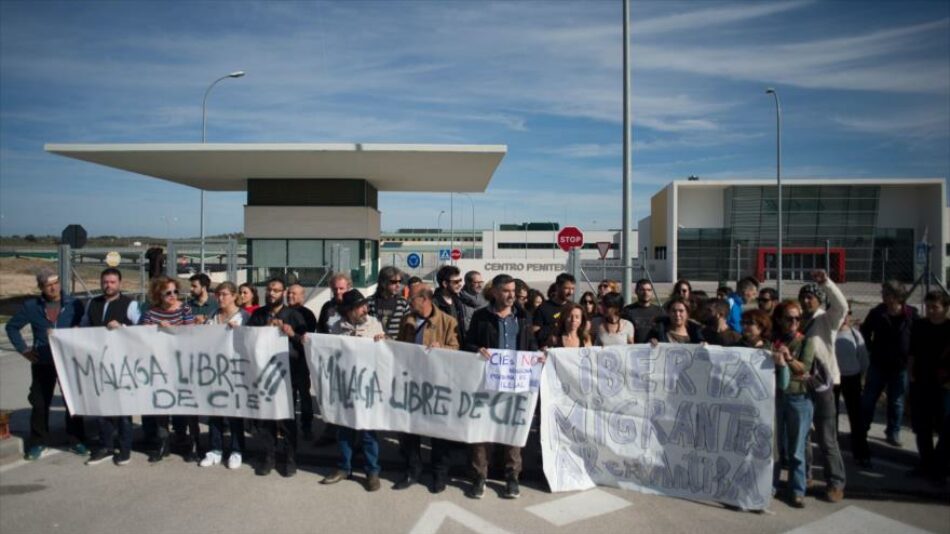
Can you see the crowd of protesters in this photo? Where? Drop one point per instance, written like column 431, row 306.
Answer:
column 820, row 356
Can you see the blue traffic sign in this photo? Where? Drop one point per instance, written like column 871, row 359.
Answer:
column 413, row 260
column 445, row 254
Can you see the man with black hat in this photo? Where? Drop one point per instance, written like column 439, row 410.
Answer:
column 820, row 327
column 51, row 309
column 356, row 321
column 291, row 324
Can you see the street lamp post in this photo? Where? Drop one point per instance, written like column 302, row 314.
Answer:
column 778, row 179
column 204, row 131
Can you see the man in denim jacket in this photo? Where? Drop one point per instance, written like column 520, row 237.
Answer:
column 51, row 309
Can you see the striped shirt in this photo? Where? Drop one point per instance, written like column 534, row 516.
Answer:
column 389, row 312
column 181, row 316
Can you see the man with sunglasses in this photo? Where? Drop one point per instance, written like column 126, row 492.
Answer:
column 388, row 305
column 767, row 300
column 820, row 327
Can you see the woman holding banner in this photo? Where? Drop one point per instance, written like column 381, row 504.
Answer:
column 676, row 326
column 794, row 405
column 228, row 313
column 571, row 329
column 167, row 311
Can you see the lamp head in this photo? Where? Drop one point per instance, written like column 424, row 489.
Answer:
column 236, row 74
column 770, row 91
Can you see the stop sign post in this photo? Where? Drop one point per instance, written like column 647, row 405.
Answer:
column 570, row 237
column 74, row 235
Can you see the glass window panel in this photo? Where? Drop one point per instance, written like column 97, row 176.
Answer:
column 305, row 252
column 345, row 252
column 269, row 252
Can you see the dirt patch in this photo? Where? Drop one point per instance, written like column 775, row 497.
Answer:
column 18, row 280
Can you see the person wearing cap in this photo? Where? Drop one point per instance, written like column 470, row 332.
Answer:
column 112, row 310
column 887, row 331
column 429, row 326
column 820, row 328
column 281, row 434
column 50, row 309
column 356, row 321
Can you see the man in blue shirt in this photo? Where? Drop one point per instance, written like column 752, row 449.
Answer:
column 51, row 309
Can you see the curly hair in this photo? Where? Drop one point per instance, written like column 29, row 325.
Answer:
column 156, row 287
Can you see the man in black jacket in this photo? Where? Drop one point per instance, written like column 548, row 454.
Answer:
column 545, row 317
column 500, row 325
column 446, row 297
column 644, row 312
column 887, row 333
column 296, row 294
column 112, row 309
column 290, row 322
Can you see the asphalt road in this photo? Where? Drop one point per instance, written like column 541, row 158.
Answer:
column 59, row 493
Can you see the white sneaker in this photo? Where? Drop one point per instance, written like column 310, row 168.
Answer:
column 211, row 458
column 234, row 461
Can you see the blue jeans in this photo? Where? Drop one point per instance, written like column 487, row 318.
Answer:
column 216, row 431
column 896, row 384
column 346, row 437
column 792, row 420
column 110, row 426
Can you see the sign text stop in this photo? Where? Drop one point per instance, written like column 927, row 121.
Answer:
column 570, row 237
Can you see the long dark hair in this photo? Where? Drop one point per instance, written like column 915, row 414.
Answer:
column 560, row 328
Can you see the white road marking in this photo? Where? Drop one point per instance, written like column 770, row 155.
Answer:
column 579, row 507
column 22, row 462
column 854, row 520
column 437, row 512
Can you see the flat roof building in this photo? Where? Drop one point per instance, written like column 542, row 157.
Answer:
column 727, row 229
column 311, row 207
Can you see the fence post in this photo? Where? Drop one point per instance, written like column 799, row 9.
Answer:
column 828, row 257
column 884, row 265
column 171, row 260
column 232, row 259
column 738, row 260
column 143, row 275
column 65, row 269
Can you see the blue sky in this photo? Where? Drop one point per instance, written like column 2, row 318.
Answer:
column 865, row 89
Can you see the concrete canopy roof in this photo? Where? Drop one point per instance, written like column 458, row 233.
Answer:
column 227, row 166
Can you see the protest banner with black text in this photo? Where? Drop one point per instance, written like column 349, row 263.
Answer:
column 680, row 420
column 388, row 385
column 183, row 370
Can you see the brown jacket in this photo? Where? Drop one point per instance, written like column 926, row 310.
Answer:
column 441, row 328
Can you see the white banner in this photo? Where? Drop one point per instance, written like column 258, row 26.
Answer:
column 513, row 370
column 678, row 420
column 184, row 370
column 389, row 385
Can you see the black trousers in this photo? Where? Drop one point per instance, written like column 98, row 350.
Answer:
column 279, row 436
column 410, row 447
column 41, row 397
column 300, row 383
column 850, row 389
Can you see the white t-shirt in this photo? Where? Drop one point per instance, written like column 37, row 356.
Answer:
column 622, row 337
column 237, row 319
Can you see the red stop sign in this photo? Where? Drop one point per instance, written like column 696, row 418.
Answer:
column 456, row 254
column 570, row 237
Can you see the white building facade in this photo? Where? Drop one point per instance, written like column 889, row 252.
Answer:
column 871, row 229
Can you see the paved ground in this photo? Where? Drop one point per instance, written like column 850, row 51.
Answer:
column 60, row 494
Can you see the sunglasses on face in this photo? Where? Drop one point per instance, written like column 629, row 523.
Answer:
column 765, row 299
column 170, row 292
column 395, row 282
column 793, row 318
column 456, row 282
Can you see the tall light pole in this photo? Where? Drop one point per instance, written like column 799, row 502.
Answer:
column 778, row 179
column 625, row 250
column 473, row 222
column 204, row 131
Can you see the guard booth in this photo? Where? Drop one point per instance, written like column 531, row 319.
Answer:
column 311, row 208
